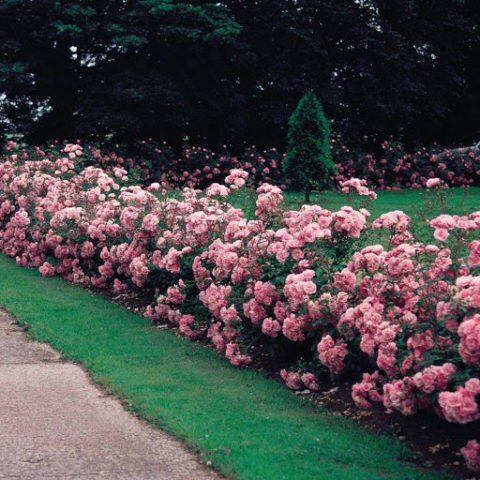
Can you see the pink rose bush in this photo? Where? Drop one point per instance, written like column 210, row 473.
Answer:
column 94, row 229
column 391, row 168
column 402, row 319
column 394, row 168
column 241, row 302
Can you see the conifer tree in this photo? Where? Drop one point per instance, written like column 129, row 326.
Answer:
column 308, row 163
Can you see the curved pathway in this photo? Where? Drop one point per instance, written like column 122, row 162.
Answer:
column 55, row 424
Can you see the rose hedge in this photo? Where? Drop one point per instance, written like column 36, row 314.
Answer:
column 404, row 320
column 392, row 168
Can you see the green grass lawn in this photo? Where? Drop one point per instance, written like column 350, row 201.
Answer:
column 415, row 203
column 418, row 204
column 249, row 427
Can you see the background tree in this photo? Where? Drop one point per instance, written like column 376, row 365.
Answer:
column 168, row 76
column 232, row 71
column 382, row 67
column 308, row 163
column 118, row 68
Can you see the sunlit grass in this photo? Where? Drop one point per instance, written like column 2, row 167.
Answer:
column 420, row 205
column 415, row 203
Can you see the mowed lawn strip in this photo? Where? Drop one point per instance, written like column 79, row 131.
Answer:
column 415, row 203
column 248, row 426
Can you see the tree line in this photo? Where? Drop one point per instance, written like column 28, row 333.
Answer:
column 233, row 71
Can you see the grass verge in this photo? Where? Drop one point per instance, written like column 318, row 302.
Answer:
column 415, row 203
column 248, row 426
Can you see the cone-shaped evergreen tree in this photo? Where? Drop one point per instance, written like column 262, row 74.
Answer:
column 308, row 163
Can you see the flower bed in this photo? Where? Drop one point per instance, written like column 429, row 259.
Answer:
column 403, row 319
column 392, row 168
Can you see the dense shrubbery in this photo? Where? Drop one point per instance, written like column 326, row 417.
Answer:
column 395, row 167
column 404, row 320
column 195, row 167
column 391, row 169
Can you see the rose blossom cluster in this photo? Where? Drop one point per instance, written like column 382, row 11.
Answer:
column 296, row 380
column 331, row 354
column 471, row 454
column 397, row 222
column 268, row 200
column 469, row 333
column 461, row 406
column 236, row 178
column 359, row 186
column 444, row 224
column 435, row 183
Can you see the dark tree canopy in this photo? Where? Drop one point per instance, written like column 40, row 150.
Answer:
column 233, row 71
column 118, row 68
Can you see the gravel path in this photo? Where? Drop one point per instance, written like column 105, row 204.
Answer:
column 55, row 424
